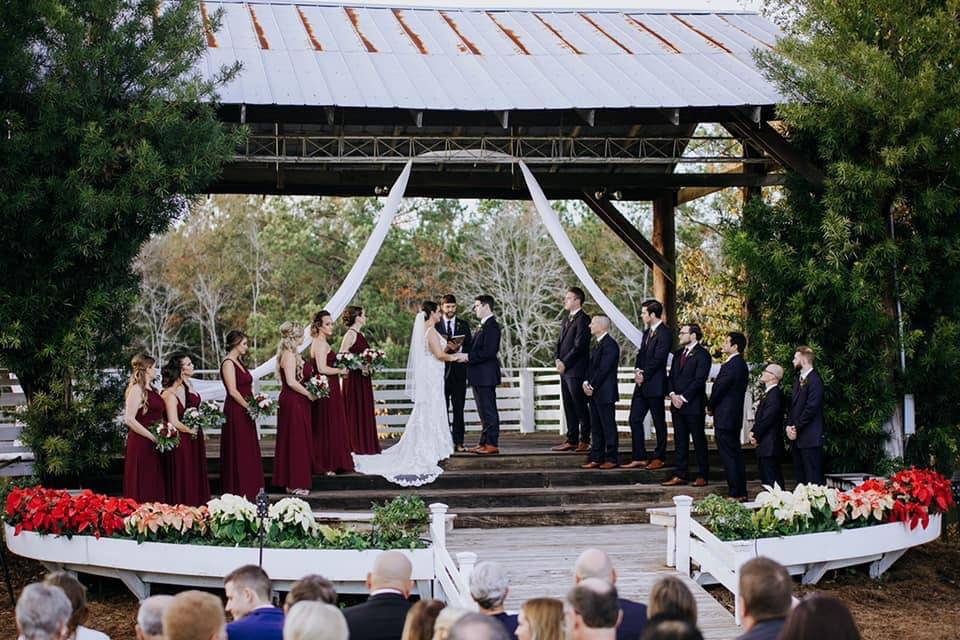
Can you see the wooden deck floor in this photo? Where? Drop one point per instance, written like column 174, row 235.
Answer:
column 540, row 561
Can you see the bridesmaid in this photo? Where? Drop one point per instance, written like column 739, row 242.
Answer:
column 187, row 479
column 331, row 437
column 358, row 388
column 241, row 469
column 143, row 477
column 292, row 460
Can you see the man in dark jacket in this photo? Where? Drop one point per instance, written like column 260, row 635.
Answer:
column 455, row 373
column 382, row 616
column 765, row 597
column 805, row 425
column 650, row 378
column 572, row 354
column 689, row 371
column 726, row 404
column 767, row 432
column 483, row 372
column 595, row 563
column 602, row 391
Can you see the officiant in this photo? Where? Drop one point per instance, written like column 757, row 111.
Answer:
column 457, row 332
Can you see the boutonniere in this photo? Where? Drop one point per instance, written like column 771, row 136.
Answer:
column 803, row 382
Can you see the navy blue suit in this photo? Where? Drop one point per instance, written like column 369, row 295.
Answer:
column 806, row 414
column 602, row 376
column 768, row 431
column 381, row 617
column 259, row 624
column 483, row 372
column 652, row 361
column 689, row 379
column 573, row 349
column 509, row 622
column 726, row 402
column 455, row 377
column 765, row 630
column 634, row 619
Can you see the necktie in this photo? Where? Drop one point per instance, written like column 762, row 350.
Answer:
column 683, row 358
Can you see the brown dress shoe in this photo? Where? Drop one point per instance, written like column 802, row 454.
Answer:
column 566, row 446
column 583, row 447
column 487, row 450
column 674, row 482
column 653, row 465
column 609, row 465
column 590, row 465
column 699, row 482
column 636, row 464
column 476, row 448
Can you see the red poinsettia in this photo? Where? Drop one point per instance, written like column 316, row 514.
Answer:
column 919, row 494
column 60, row 513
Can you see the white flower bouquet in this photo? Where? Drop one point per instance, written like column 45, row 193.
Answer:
column 318, row 385
column 261, row 405
column 207, row 416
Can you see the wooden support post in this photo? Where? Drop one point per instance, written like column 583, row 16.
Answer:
column 748, row 193
column 664, row 241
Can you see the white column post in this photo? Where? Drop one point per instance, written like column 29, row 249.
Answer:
column 683, row 504
column 438, row 528
column 466, row 560
column 528, row 400
column 563, row 414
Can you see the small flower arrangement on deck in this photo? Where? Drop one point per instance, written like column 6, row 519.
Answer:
column 318, row 385
column 158, row 522
column 168, row 438
column 207, row 416
column 261, row 405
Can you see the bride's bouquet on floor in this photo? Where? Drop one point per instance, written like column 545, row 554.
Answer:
column 372, row 361
column 318, row 385
column 168, row 438
column 261, row 405
column 206, row 416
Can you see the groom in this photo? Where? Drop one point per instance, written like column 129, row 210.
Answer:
column 483, row 372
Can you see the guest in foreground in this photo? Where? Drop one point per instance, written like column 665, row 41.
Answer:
column 187, row 479
column 650, row 387
column 672, row 630
column 805, row 424
column 241, row 469
column 331, row 434
column 571, row 357
column 42, row 612
column 767, row 432
column 595, row 563
column 310, row 588
column 592, row 611
column 447, row 617
column 671, row 599
column 248, row 601
column 77, row 595
column 150, row 617
column 540, row 619
column 489, row 586
column 358, row 387
column 726, row 405
column 421, row 619
column 689, row 371
column 292, row 461
column 384, row 613
column 819, row 617
column 309, row 620
column 765, row 597
column 143, row 410
column 195, row 615
column 600, row 387
column 476, row 626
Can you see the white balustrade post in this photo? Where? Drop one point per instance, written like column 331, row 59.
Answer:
column 466, row 560
column 528, row 400
column 438, row 528
column 684, row 506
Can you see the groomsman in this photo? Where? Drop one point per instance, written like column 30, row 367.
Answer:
column 455, row 373
column 602, row 391
column 688, row 382
column 767, row 432
column 572, row 355
column 726, row 405
column 650, row 378
column 483, row 372
column 805, row 425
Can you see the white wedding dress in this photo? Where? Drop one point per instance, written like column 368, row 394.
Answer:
column 426, row 438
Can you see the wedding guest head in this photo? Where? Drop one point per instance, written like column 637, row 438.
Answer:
column 143, row 371
column 447, row 617
column 573, row 299
column 772, row 374
column 540, row 619
column 322, row 325
column 42, row 612
column 391, row 570
column 237, row 343
column 476, row 626
column 803, row 358
column 449, row 305
column 150, row 617
column 599, row 325
column 671, row 599
column 178, row 368
column 430, row 311
column 595, row 563
column 735, row 342
column 310, row 588
column 77, row 595
column 651, row 311
column 247, row 588
column 421, row 619
column 672, row 630
column 353, row 317
column 310, row 620
column 483, row 306
column 194, row 615
column 592, row 611
column 489, row 585
column 291, row 335
column 822, row 618
column 765, row 594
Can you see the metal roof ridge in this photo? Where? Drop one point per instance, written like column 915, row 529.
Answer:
column 481, row 7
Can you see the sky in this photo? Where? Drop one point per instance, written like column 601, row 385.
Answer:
column 751, row 5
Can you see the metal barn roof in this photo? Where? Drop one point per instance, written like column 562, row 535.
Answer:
column 338, row 55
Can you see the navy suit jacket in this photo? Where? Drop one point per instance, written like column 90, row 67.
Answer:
column 727, row 395
column 652, row 360
column 690, row 380
column 259, row 624
column 483, row 367
column 634, row 619
column 768, row 424
column 381, row 617
column 806, row 411
column 456, row 372
column 765, row 630
column 573, row 345
column 602, row 372
column 509, row 621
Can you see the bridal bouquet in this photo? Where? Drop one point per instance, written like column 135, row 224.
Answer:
column 207, row 416
column 373, row 360
column 318, row 385
column 261, row 405
column 168, row 438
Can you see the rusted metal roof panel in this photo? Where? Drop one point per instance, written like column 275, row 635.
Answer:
column 319, row 53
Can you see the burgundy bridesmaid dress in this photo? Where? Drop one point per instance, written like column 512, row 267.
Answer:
column 189, row 483
column 292, row 460
column 143, row 468
column 358, row 402
column 331, row 436
column 241, row 469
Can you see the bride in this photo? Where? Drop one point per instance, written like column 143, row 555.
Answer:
column 426, row 439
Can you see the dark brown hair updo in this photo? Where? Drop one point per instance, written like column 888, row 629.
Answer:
column 170, row 372
column 428, row 307
column 350, row 315
column 234, row 337
column 318, row 321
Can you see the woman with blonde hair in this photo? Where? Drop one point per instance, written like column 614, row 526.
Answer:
column 143, row 412
column 540, row 619
column 331, row 435
column 421, row 618
column 291, row 462
column 671, row 599
column 311, row 620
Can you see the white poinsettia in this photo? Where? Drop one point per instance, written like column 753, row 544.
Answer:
column 294, row 512
column 231, row 506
